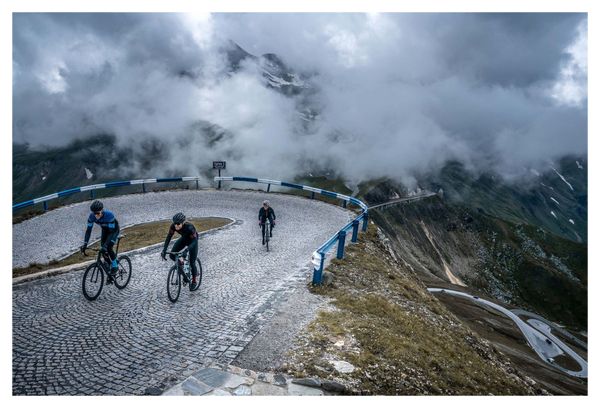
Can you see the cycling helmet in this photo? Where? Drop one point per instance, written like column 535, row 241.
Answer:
column 266, row 202
column 178, row 218
column 96, row 206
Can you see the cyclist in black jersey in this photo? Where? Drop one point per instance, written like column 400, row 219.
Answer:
column 189, row 238
column 266, row 212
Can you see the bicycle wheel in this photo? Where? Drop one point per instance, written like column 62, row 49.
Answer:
column 267, row 238
column 123, row 275
column 173, row 284
column 199, row 269
column 93, row 280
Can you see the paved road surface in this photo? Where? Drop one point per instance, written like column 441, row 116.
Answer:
column 135, row 341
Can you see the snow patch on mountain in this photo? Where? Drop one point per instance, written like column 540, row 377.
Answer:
column 550, row 187
column 579, row 165
column 553, row 199
column 563, row 179
column 554, row 215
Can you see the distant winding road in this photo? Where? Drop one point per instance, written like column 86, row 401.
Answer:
column 537, row 333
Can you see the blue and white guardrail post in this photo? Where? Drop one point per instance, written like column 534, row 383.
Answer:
column 318, row 257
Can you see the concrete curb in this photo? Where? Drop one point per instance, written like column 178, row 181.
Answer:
column 70, row 268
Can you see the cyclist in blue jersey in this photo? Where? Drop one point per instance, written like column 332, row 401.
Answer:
column 110, row 231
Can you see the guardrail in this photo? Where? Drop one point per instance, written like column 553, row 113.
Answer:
column 318, row 257
column 94, row 187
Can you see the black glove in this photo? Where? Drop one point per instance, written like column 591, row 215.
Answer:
column 163, row 255
column 83, row 248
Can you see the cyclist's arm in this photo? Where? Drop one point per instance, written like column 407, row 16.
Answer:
column 193, row 234
column 168, row 239
column 88, row 231
column 273, row 212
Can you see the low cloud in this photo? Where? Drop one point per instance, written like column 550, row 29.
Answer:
column 390, row 94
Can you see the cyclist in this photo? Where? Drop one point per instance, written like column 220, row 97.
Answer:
column 110, row 231
column 266, row 212
column 189, row 238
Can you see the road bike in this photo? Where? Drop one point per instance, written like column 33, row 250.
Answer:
column 93, row 277
column 266, row 233
column 181, row 274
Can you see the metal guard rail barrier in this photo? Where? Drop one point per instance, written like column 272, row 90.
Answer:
column 93, row 187
column 318, row 257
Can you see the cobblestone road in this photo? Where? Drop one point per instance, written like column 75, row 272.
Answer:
column 135, row 341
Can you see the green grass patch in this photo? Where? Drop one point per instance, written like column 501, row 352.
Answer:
column 138, row 236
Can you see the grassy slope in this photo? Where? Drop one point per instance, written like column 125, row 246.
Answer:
column 400, row 338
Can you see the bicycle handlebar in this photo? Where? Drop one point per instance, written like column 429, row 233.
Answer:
column 177, row 253
column 119, row 237
column 92, row 249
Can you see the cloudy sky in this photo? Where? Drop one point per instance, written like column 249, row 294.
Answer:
column 394, row 93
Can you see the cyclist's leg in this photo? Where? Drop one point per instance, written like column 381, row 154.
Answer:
column 110, row 243
column 272, row 225
column 177, row 246
column 262, row 225
column 193, row 254
column 103, row 238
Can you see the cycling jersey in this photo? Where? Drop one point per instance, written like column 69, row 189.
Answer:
column 108, row 222
column 269, row 213
column 188, row 235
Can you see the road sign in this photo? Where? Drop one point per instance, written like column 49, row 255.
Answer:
column 219, row 165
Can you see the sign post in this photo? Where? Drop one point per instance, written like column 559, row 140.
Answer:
column 219, row 165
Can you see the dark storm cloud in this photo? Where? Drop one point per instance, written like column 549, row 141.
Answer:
column 395, row 93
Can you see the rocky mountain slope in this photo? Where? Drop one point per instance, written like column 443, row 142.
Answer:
column 517, row 263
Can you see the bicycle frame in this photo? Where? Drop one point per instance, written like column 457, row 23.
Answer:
column 182, row 254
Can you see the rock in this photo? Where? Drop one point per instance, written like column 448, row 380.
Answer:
column 333, row 386
column 192, row 386
column 296, row 389
column 309, row 382
column 262, row 388
column 279, row 380
column 342, row 366
column 242, row 390
column 327, row 278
